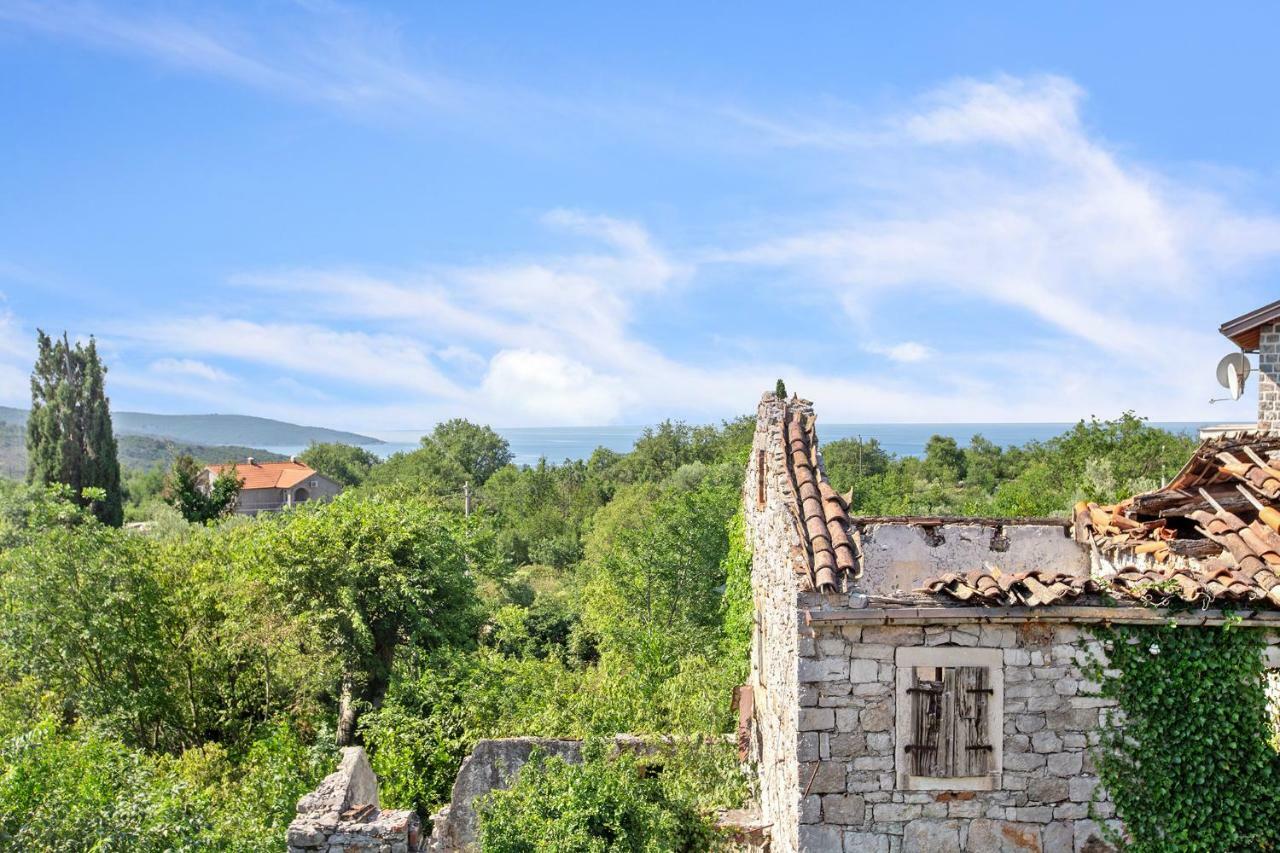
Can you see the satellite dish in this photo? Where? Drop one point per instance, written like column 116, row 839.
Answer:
column 1233, row 370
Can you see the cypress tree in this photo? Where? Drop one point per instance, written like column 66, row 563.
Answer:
column 69, row 436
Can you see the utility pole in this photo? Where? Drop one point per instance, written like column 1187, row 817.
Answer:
column 466, row 499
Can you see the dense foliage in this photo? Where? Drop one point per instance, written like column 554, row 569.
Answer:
column 1188, row 762
column 184, row 491
column 612, row 803
column 1095, row 460
column 183, row 686
column 69, row 436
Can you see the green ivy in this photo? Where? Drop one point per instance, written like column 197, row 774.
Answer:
column 1188, row 760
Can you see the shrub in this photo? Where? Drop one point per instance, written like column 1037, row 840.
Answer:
column 606, row 804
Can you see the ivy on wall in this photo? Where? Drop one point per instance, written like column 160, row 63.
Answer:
column 1189, row 761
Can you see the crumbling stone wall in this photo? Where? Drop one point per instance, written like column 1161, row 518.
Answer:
column 492, row 765
column 898, row 556
column 342, row 815
column 777, row 554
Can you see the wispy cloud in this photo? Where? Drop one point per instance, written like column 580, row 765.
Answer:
column 316, row 51
column 990, row 195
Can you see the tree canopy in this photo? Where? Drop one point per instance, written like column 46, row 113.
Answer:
column 69, row 436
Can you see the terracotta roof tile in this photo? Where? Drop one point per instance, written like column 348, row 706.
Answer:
column 268, row 475
column 1211, row 536
column 823, row 514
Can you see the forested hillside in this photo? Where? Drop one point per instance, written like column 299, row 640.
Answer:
column 138, row 453
column 182, row 689
column 213, row 430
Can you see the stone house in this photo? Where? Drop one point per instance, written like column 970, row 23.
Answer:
column 273, row 486
column 916, row 683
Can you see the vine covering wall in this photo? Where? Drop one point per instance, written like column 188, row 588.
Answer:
column 1190, row 762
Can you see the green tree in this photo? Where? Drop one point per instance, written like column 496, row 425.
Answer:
column 944, row 461
column 69, row 437
column 85, row 612
column 477, row 450
column 343, row 463
column 607, row 804
column 185, row 492
column 427, row 470
column 372, row 575
column 848, row 461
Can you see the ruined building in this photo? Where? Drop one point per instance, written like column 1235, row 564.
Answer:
column 916, row 682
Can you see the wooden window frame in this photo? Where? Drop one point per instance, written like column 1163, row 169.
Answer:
column 905, row 660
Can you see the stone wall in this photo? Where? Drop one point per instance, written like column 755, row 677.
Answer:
column 1269, row 377
column 342, row 815
column 777, row 554
column 848, row 746
column 492, row 765
column 899, row 556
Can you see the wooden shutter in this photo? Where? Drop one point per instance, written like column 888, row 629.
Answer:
column 926, row 719
column 949, row 722
column 972, row 755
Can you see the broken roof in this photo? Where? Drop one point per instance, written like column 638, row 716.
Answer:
column 268, row 475
column 1212, row 535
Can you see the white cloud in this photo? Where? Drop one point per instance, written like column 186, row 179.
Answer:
column 1000, row 196
column 907, row 352
column 990, row 195
column 544, row 388
column 189, row 368
column 384, row 360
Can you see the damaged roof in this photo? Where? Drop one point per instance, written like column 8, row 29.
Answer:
column 823, row 515
column 1212, row 535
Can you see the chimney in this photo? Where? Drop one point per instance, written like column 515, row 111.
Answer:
column 293, row 459
column 251, row 460
column 1259, row 331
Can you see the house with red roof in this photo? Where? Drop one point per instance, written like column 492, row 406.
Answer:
column 273, row 486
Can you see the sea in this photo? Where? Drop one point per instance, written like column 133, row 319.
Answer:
column 556, row 444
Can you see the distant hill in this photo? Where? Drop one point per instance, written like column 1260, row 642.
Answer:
column 214, row 430
column 135, row 451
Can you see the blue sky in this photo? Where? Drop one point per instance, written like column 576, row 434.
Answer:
column 376, row 217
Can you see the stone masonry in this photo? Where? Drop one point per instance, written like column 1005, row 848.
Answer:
column 1269, row 377
column 851, row 798
column 831, row 675
column 342, row 815
column 776, row 640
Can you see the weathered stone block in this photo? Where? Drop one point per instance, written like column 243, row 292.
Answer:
column 1080, row 788
column 999, row 836
column 846, row 809
column 895, row 812
column 1065, row 763
column 877, row 717
column 828, row 778
column 1047, row 790
column 1023, row 761
column 936, row 836
column 866, row 842
column 1046, row 741
column 816, row 669
column 1057, row 838
column 820, row 839
column 862, row 670
column 812, row 719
